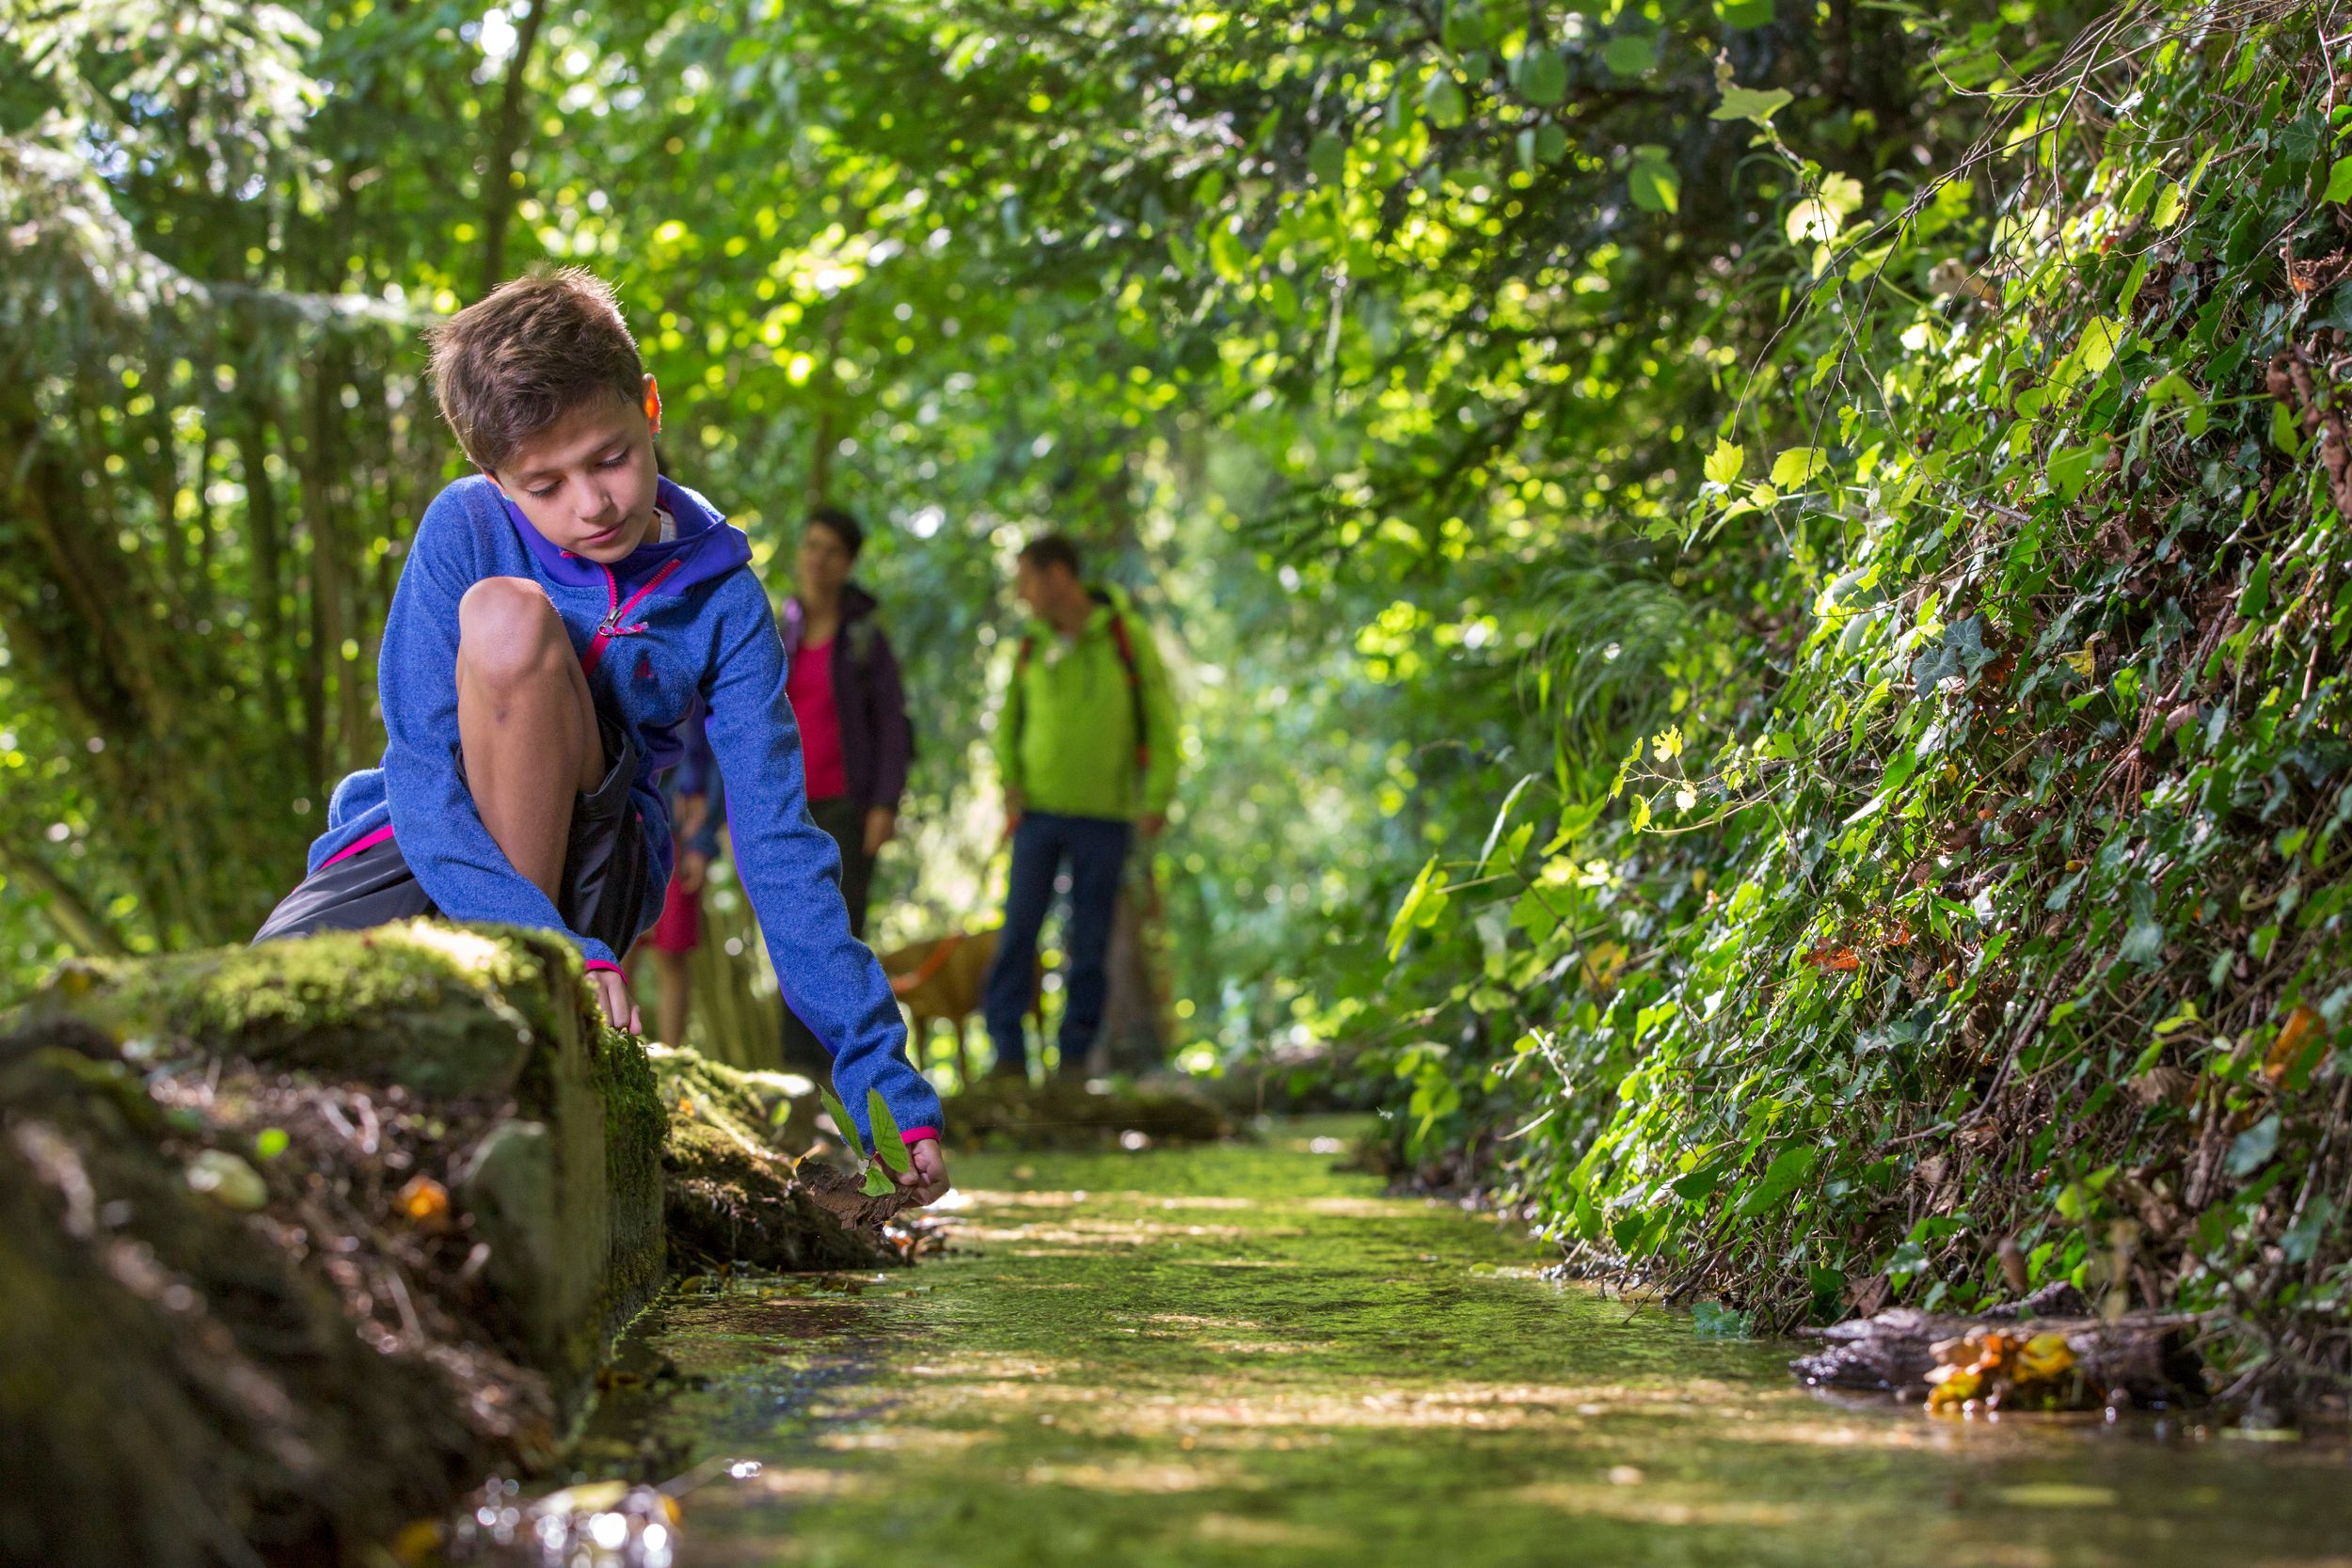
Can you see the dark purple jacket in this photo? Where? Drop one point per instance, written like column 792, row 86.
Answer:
column 877, row 741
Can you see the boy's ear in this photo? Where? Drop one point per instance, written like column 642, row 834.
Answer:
column 653, row 404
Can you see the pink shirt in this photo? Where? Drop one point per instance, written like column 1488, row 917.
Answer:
column 808, row 684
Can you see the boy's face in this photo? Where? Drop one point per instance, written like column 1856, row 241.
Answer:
column 586, row 482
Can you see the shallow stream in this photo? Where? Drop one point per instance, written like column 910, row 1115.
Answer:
column 1239, row 1355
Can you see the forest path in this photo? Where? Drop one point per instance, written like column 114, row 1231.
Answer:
column 1240, row 1354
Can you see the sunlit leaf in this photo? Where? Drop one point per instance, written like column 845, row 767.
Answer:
column 1724, row 464
column 845, row 1127
column 1652, row 182
column 890, row 1146
column 1751, row 105
column 1797, row 466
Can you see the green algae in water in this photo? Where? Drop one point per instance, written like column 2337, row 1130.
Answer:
column 1237, row 1354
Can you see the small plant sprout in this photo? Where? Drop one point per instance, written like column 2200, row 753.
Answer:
column 890, row 1146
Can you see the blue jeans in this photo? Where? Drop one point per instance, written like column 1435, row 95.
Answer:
column 1096, row 849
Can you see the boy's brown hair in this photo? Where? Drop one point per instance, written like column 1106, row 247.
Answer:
column 523, row 356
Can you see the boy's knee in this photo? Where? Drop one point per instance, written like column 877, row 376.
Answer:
column 507, row 632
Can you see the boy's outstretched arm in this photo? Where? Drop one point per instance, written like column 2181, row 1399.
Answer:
column 434, row 820
column 792, row 871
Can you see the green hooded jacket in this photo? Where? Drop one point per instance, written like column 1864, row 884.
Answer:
column 1066, row 738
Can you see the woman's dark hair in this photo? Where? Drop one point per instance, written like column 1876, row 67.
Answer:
column 1052, row 550
column 845, row 528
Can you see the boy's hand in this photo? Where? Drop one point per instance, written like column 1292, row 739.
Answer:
column 611, row 988
column 882, row 826
column 1014, row 804
column 928, row 1181
column 1151, row 824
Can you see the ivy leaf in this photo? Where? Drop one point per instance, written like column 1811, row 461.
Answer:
column 842, row 1124
column 876, row 1182
column 2339, row 181
column 2252, row 1149
column 890, row 1145
column 2101, row 336
column 2284, row 433
column 1723, row 463
column 2071, row 468
column 1788, row 1168
column 1713, row 1320
column 1748, row 104
column 1961, row 651
column 2143, row 943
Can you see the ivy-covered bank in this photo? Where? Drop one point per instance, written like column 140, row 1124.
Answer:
column 299, row 1242
column 1978, row 920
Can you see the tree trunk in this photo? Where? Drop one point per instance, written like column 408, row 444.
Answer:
column 498, row 172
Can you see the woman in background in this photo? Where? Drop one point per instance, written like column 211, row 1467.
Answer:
column 857, row 742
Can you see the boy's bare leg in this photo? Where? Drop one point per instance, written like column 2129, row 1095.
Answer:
column 677, row 995
column 526, row 723
column 527, row 728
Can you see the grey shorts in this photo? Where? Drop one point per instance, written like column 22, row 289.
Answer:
column 609, row 891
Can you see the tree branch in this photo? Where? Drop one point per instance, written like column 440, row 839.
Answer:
column 75, row 921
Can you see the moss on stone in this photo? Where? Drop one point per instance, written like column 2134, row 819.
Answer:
column 734, row 1196
column 443, row 1009
column 329, row 1363
column 1060, row 1114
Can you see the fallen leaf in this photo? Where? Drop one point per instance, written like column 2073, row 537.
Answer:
column 2289, row 1045
column 424, row 1200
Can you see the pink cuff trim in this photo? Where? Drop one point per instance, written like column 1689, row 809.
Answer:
column 916, row 1134
column 595, row 964
column 366, row 841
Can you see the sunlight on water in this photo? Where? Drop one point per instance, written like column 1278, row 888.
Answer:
column 1238, row 1354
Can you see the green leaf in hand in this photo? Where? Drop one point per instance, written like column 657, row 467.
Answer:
column 890, row 1145
column 876, row 1182
column 840, row 1115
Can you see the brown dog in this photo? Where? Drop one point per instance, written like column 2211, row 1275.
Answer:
column 945, row 978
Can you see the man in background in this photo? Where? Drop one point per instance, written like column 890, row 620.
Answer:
column 1087, row 748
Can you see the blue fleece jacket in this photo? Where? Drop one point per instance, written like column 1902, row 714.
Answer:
column 671, row 624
